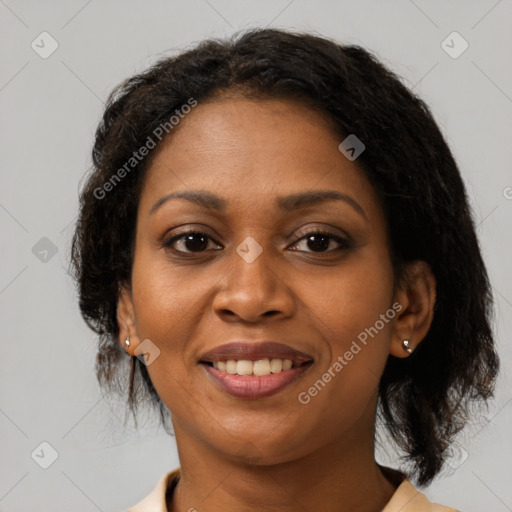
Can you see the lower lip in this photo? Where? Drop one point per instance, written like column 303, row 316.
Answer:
column 252, row 387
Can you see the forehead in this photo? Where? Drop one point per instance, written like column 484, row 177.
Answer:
column 250, row 151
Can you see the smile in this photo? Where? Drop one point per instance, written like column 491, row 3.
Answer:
column 249, row 385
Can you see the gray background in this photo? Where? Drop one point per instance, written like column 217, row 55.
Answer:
column 49, row 110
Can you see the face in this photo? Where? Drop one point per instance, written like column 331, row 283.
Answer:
column 251, row 266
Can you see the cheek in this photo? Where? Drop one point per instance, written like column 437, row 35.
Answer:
column 352, row 311
column 167, row 297
column 169, row 306
column 349, row 298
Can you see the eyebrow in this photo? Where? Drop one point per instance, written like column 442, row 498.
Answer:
column 285, row 203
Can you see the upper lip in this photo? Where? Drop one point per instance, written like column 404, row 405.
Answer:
column 246, row 350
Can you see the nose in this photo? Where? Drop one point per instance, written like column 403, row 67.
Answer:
column 254, row 290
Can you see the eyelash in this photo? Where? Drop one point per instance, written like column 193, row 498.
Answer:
column 344, row 244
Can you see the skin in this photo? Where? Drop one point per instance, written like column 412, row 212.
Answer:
column 274, row 453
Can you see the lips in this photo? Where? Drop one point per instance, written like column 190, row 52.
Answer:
column 218, row 364
column 254, row 351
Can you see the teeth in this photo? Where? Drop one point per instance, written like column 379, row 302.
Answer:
column 230, row 366
column 258, row 368
column 244, row 367
column 261, row 367
column 276, row 365
column 287, row 364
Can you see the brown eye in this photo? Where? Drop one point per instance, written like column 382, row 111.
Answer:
column 189, row 242
column 321, row 241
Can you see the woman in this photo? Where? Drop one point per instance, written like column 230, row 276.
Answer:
column 276, row 237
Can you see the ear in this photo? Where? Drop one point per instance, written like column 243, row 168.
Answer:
column 417, row 296
column 126, row 319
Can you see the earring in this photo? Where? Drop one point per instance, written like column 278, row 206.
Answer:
column 127, row 341
column 405, row 345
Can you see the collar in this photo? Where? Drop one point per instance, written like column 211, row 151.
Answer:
column 406, row 498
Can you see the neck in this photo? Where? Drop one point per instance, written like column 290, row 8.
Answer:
column 342, row 476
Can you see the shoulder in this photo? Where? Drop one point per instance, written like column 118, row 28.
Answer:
column 408, row 499
column 155, row 501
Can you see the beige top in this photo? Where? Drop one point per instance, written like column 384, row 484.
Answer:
column 406, row 498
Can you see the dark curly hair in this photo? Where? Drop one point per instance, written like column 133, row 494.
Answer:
column 424, row 399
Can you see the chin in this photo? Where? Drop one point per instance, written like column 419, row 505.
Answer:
column 262, row 449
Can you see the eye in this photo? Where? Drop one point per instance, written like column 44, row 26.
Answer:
column 321, row 241
column 191, row 240
column 194, row 241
